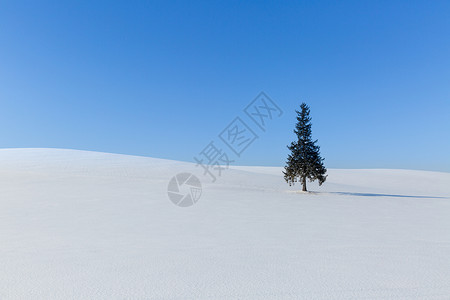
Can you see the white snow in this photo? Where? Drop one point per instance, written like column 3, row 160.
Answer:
column 88, row 225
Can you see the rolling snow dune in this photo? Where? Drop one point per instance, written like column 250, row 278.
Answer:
column 89, row 225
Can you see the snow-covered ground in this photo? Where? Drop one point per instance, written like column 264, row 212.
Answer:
column 88, row 225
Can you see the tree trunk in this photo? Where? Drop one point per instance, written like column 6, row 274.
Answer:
column 304, row 184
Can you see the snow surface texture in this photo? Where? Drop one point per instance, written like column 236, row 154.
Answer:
column 88, row 225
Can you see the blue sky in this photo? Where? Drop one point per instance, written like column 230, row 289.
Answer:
column 164, row 78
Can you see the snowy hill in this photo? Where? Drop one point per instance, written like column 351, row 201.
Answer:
column 88, row 225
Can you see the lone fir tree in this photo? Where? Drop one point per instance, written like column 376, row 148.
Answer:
column 305, row 161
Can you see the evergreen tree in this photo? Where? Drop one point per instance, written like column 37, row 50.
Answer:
column 304, row 161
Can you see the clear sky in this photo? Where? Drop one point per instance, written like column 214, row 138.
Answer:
column 164, row 78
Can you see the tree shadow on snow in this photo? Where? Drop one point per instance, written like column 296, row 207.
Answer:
column 386, row 195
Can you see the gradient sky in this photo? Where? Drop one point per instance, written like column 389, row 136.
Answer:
column 164, row 78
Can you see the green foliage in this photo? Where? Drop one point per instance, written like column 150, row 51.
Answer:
column 304, row 161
